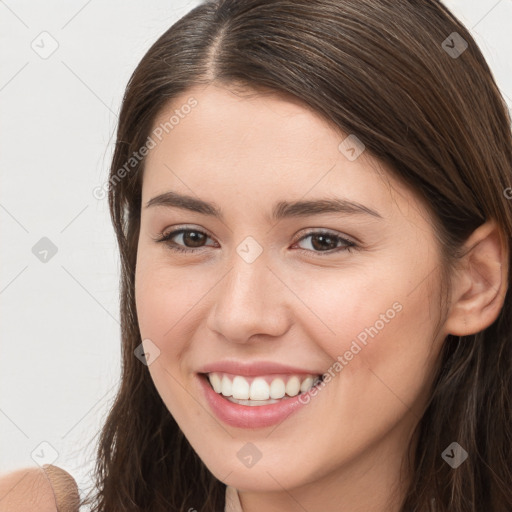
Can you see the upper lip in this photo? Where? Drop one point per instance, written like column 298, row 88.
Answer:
column 254, row 368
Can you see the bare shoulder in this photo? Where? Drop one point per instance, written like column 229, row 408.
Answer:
column 47, row 489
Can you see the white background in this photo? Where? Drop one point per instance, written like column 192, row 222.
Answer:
column 60, row 335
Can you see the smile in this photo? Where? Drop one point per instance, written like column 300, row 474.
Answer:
column 257, row 401
column 260, row 390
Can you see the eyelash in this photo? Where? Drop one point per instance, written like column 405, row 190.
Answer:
column 166, row 237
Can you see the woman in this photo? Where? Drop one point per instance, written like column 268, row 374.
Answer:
column 310, row 200
column 315, row 194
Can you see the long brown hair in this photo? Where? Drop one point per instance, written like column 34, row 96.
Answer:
column 382, row 70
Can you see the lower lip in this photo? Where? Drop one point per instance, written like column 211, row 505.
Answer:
column 246, row 416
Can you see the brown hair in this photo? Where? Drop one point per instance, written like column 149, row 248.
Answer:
column 374, row 68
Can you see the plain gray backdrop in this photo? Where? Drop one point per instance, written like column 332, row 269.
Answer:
column 63, row 70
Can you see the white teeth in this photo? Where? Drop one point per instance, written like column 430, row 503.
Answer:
column 306, row 385
column 277, row 388
column 216, row 383
column 259, row 390
column 240, row 389
column 226, row 386
column 293, row 386
column 252, row 402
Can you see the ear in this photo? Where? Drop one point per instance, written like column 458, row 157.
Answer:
column 481, row 282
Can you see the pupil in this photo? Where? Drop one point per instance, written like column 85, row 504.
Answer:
column 324, row 238
column 195, row 236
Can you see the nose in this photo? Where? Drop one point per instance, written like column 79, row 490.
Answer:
column 250, row 302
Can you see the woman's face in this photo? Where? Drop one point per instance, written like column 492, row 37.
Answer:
column 270, row 293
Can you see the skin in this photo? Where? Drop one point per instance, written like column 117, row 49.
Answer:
column 46, row 489
column 303, row 308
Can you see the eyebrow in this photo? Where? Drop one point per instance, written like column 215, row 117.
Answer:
column 281, row 210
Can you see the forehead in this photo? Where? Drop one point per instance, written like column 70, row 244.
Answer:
column 253, row 145
column 244, row 119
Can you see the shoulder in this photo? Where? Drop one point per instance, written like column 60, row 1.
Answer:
column 45, row 489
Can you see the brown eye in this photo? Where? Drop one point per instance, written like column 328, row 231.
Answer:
column 325, row 242
column 193, row 238
column 187, row 240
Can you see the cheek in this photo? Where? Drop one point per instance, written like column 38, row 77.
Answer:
column 166, row 299
column 170, row 305
column 165, row 302
column 376, row 328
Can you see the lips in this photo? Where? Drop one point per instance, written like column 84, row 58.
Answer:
column 256, row 368
column 242, row 412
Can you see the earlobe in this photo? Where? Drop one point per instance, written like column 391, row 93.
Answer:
column 480, row 286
